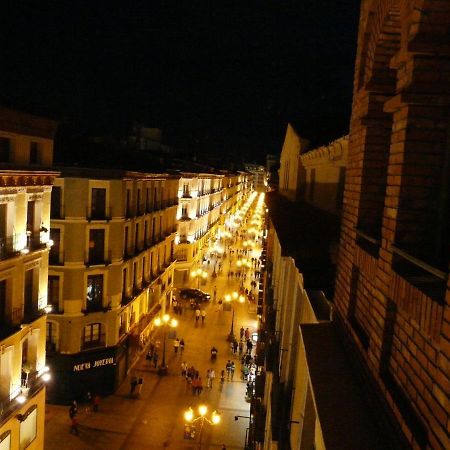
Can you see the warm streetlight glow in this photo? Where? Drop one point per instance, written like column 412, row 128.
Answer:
column 46, row 377
column 189, row 415
column 202, row 410
column 158, row 322
column 228, row 298
column 235, row 295
column 166, row 318
column 174, row 323
column 21, row 398
column 215, row 418
column 241, row 299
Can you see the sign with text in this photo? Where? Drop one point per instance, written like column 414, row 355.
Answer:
column 93, row 364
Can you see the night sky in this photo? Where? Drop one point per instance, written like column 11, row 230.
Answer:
column 223, row 76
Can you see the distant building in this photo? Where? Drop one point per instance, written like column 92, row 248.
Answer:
column 111, row 271
column 204, row 199
column 26, row 147
column 290, row 174
column 259, row 175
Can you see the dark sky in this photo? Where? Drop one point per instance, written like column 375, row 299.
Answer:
column 226, row 76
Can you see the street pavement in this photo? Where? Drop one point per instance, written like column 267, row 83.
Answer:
column 154, row 419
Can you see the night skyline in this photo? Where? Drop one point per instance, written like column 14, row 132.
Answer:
column 222, row 79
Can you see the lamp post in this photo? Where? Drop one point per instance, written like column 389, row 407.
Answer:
column 199, row 274
column 202, row 410
column 231, row 298
column 165, row 321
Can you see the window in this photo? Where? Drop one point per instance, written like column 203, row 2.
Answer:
column 30, row 216
column 28, row 427
column 124, row 284
column 5, row 149
column 128, row 204
column 55, row 209
column 53, row 292
column 96, row 246
column 125, row 243
column 94, row 294
column 55, row 236
column 184, row 211
column 93, row 336
column 50, row 337
column 98, row 203
column 136, row 237
column 139, row 201
column 34, row 153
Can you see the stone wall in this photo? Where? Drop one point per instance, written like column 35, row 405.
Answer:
column 392, row 287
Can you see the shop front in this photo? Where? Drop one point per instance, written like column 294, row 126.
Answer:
column 76, row 375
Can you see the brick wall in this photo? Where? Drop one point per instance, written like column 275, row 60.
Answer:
column 392, row 287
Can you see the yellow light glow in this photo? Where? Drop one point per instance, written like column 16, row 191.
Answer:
column 215, row 418
column 228, row 298
column 235, row 295
column 241, row 299
column 202, row 410
column 166, row 318
column 189, row 415
column 174, row 323
column 158, row 322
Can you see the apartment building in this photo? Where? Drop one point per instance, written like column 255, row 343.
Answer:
column 26, row 146
column 111, row 271
column 204, row 200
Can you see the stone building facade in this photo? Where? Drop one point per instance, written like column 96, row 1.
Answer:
column 26, row 144
column 111, row 271
column 392, row 288
column 204, row 199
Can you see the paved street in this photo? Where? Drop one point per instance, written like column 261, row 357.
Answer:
column 155, row 419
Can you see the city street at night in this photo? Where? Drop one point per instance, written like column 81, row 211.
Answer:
column 154, row 419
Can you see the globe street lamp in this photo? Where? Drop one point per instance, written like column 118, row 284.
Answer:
column 199, row 274
column 166, row 322
column 231, row 298
column 202, row 410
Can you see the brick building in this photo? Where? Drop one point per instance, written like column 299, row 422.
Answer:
column 392, row 287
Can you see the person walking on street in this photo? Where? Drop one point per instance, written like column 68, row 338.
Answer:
column 241, row 333
column 235, row 346
column 155, row 359
column 181, row 345
column 228, row 367
column 212, row 375
column 73, row 413
column 133, row 384
column 241, row 348
column 183, row 368
column 232, row 369
column 208, row 378
column 249, row 346
column 203, row 316
column 247, row 334
column 139, row 386
column 197, row 314
column 176, row 345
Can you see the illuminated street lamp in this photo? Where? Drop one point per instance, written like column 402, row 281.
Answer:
column 202, row 410
column 166, row 322
column 231, row 298
column 199, row 274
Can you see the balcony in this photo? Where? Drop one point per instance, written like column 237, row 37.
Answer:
column 9, row 323
column 9, row 407
column 8, row 247
column 98, row 258
column 92, row 344
column 98, row 214
column 187, row 194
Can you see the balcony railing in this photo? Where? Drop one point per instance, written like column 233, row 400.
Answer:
column 8, row 406
column 10, row 321
column 92, row 259
column 56, row 259
column 91, row 344
column 98, row 214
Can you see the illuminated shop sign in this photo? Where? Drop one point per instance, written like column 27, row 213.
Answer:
column 93, row 364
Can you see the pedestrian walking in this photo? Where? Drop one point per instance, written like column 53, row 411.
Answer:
column 228, row 367
column 139, row 386
column 133, row 384
column 203, row 315
column 176, row 345
column 215, row 292
column 96, row 403
column 73, row 413
column 155, row 359
column 208, row 378
column 197, row 314
column 241, row 348
column 247, row 333
column 249, row 346
column 194, row 385
column 199, row 385
column 235, row 346
column 212, row 376
column 241, row 333
column 183, row 368
column 175, row 306
column 232, row 369
column 181, row 345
